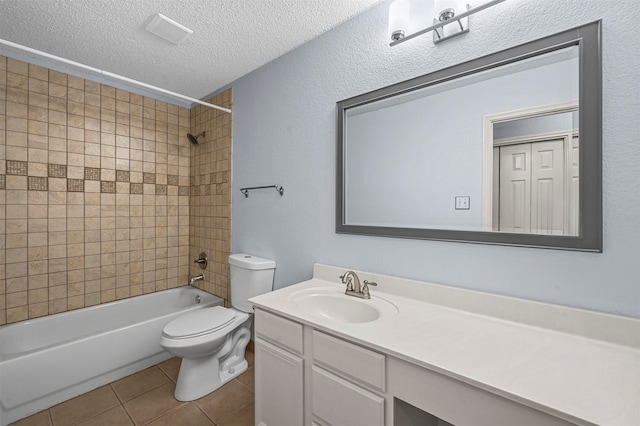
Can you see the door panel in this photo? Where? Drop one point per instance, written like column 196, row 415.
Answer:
column 547, row 189
column 531, row 193
column 515, row 184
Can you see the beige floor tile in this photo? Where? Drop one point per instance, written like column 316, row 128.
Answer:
column 188, row 414
column 115, row 417
column 152, row 404
column 84, row 407
column 245, row 416
column 250, row 357
column 139, row 383
column 171, row 367
column 248, row 379
column 39, row 419
column 225, row 401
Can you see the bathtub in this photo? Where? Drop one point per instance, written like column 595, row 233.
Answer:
column 51, row 359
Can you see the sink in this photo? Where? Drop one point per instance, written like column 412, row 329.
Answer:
column 336, row 306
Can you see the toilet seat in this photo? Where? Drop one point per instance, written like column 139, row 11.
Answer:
column 199, row 323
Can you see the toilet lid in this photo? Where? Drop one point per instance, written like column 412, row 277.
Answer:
column 202, row 321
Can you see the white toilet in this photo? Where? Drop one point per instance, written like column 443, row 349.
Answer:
column 212, row 341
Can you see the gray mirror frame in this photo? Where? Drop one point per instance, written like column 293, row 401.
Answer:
column 588, row 39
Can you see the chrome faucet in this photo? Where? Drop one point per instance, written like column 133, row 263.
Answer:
column 196, row 278
column 354, row 288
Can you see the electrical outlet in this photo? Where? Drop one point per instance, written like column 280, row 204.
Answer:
column 463, row 203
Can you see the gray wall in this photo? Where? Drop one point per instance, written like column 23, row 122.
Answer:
column 284, row 133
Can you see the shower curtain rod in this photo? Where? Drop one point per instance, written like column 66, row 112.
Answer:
column 110, row 75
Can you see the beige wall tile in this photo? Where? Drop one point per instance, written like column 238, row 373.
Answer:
column 64, row 250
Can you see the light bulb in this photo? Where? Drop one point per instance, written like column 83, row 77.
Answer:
column 447, row 9
column 398, row 19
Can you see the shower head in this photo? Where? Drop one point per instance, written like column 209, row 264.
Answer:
column 194, row 139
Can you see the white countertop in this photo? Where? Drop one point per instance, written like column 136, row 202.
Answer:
column 578, row 378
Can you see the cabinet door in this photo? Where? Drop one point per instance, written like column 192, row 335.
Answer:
column 279, row 386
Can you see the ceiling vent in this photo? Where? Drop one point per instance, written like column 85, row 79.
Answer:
column 168, row 29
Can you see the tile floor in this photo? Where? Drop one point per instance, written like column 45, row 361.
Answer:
column 146, row 398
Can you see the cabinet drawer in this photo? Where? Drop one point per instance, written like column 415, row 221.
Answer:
column 351, row 360
column 341, row 403
column 278, row 330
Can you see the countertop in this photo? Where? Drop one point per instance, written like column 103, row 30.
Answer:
column 581, row 379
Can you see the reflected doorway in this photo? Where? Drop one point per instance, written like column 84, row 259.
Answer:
column 534, row 172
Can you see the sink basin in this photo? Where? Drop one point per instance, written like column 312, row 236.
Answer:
column 336, row 306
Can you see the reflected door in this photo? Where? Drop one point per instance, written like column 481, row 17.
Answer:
column 533, row 183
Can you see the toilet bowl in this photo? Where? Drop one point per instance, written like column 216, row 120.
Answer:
column 212, row 341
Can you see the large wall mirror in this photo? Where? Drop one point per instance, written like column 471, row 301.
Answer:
column 504, row 149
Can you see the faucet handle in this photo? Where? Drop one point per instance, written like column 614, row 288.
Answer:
column 370, row 283
column 347, row 280
column 202, row 260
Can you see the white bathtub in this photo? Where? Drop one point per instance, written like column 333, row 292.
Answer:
column 48, row 360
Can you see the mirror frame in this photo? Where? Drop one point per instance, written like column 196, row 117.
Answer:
column 588, row 39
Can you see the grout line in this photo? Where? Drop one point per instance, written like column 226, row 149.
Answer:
column 116, row 393
column 128, row 415
column 205, row 414
column 234, row 412
column 242, row 384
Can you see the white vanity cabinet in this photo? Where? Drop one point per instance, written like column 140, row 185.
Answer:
column 305, row 376
column 279, row 371
column 438, row 357
column 345, row 382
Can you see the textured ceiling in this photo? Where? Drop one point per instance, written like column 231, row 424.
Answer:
column 231, row 37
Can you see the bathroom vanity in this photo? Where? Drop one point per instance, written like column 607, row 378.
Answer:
column 423, row 354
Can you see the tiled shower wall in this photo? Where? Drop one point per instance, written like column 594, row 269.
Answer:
column 94, row 192
column 210, row 203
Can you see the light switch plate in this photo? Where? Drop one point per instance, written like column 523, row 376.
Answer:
column 463, row 203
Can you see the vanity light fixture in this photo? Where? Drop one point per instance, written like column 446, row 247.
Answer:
column 399, row 13
column 451, row 18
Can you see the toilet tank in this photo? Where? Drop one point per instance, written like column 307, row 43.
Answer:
column 250, row 276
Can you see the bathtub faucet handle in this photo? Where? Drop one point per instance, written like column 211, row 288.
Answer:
column 202, row 260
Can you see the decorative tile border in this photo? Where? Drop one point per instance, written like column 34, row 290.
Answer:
column 149, row 178
column 91, row 173
column 122, row 183
column 122, row 176
column 18, row 168
column 136, row 188
column 57, row 170
column 37, row 183
column 107, row 187
column 75, row 185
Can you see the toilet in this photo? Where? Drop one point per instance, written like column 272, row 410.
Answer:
column 212, row 341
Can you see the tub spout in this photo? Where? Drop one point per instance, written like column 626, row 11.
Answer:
column 196, row 278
